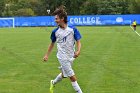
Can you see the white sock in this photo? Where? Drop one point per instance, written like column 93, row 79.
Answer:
column 76, row 87
column 58, row 78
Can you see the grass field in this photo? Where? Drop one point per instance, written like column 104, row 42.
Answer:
column 109, row 61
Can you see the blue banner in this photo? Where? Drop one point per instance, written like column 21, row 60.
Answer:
column 85, row 20
column 103, row 20
column 35, row 21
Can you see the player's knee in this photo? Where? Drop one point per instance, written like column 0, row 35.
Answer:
column 73, row 78
column 63, row 76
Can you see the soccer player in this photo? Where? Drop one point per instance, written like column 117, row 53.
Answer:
column 134, row 24
column 65, row 36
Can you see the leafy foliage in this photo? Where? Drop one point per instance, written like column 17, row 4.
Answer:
column 74, row 7
column 1, row 7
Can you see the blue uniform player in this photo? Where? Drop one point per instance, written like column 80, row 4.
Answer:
column 65, row 37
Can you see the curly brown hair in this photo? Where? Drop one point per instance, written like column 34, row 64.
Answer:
column 61, row 12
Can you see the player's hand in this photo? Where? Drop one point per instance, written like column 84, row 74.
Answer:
column 45, row 58
column 76, row 54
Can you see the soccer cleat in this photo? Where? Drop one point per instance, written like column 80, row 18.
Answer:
column 51, row 86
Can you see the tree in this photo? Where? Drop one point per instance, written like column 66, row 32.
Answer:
column 134, row 7
column 124, row 4
column 87, row 9
column 25, row 12
column 38, row 7
column 2, row 6
column 73, row 7
column 105, row 7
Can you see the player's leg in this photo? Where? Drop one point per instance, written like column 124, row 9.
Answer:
column 56, row 80
column 59, row 77
column 75, row 84
column 51, row 86
column 135, row 28
column 68, row 72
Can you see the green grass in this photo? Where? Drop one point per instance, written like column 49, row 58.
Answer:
column 109, row 61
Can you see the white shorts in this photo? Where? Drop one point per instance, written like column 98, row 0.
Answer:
column 66, row 68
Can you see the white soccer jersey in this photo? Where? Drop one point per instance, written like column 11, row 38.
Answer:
column 65, row 40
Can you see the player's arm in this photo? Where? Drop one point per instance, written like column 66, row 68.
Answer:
column 48, row 51
column 53, row 39
column 77, row 53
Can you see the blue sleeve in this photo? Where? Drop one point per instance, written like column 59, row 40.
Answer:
column 53, row 37
column 77, row 35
